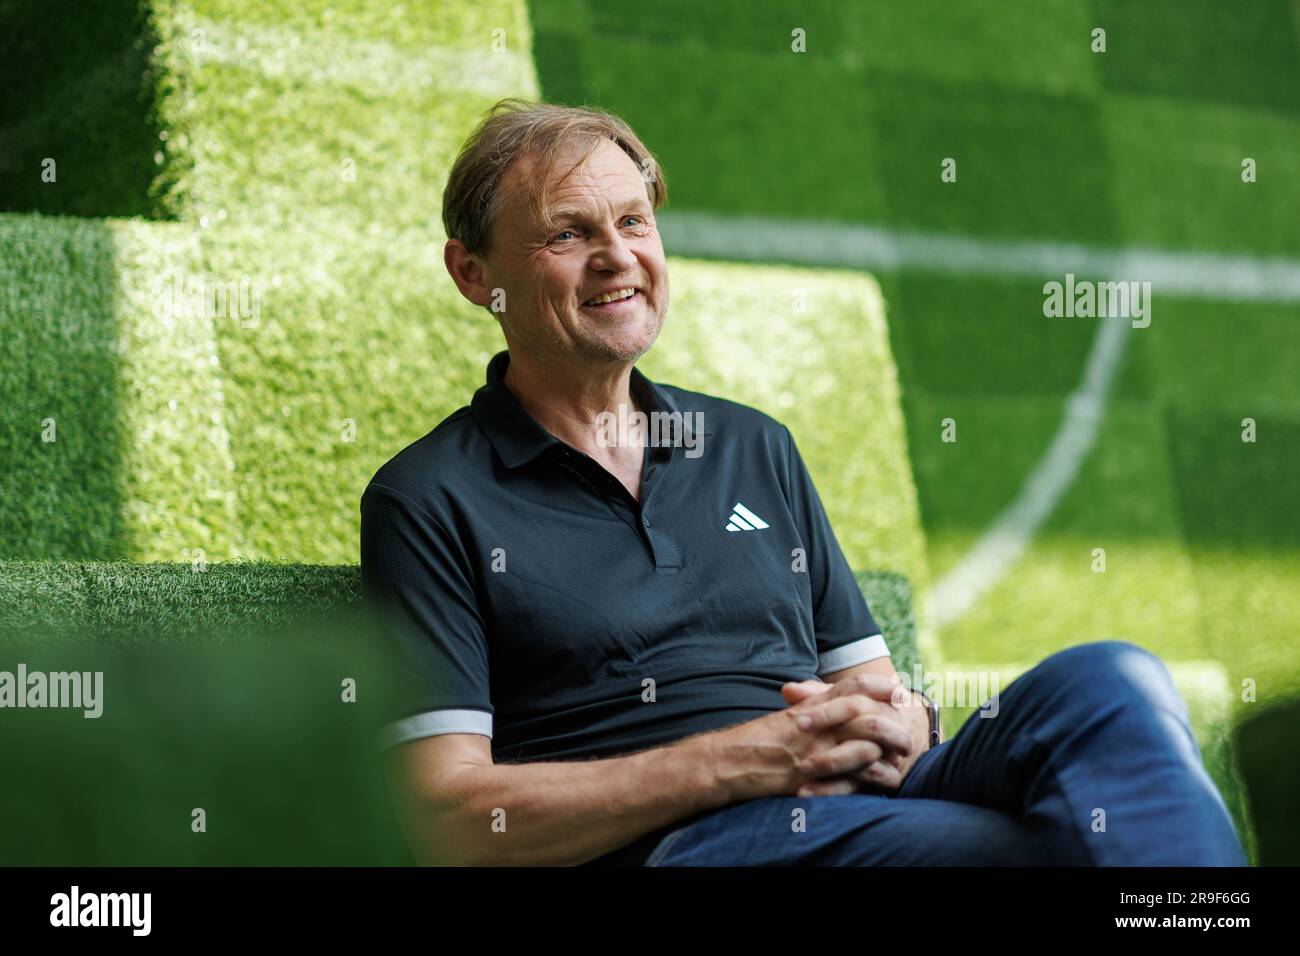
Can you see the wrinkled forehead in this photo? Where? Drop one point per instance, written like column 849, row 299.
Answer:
column 534, row 188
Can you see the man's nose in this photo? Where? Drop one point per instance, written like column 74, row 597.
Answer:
column 612, row 253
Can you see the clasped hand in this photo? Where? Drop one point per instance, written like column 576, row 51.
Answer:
column 871, row 718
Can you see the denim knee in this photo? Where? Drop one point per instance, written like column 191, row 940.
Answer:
column 1121, row 667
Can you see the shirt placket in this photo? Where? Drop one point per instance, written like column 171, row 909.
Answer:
column 662, row 553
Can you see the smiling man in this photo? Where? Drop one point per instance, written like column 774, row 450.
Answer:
column 622, row 653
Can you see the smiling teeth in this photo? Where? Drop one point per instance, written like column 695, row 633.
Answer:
column 611, row 297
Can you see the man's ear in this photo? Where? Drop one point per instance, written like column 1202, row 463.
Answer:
column 467, row 272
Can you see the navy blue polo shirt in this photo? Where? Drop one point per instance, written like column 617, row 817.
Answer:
column 533, row 600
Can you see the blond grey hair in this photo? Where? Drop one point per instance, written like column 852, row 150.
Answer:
column 515, row 129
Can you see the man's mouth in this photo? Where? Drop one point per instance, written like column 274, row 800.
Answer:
column 613, row 301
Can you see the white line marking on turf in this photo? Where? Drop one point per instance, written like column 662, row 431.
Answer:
column 1001, row 546
column 840, row 245
column 1187, row 274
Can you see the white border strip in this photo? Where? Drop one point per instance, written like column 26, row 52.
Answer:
column 433, row 723
column 841, row 245
column 849, row 655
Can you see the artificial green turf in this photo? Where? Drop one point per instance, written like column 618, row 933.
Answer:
column 1052, row 599
column 58, row 380
column 219, row 436
column 79, row 91
column 1273, row 782
column 1227, row 356
column 1248, row 605
column 467, row 25
column 1124, row 486
column 740, row 125
column 343, row 371
column 357, row 128
column 1032, row 45
column 125, row 604
column 562, row 16
column 1122, row 501
column 568, row 82
column 256, row 736
column 140, row 463
column 178, row 472
column 1241, row 54
column 968, row 42
column 1048, row 152
column 987, row 336
column 754, row 26
column 1239, row 508
column 891, row 599
column 967, row 482
column 1220, row 478
column 1176, row 179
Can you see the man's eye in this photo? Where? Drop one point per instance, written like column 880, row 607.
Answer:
column 561, row 233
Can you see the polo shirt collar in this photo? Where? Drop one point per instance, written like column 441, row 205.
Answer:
column 516, row 435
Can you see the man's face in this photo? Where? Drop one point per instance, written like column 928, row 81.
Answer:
column 604, row 238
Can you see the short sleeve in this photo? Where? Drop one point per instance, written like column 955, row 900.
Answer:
column 418, row 586
column 846, row 633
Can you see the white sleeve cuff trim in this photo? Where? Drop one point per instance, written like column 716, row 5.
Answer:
column 434, row 722
column 851, row 654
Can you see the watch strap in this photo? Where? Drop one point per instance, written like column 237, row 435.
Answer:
column 932, row 710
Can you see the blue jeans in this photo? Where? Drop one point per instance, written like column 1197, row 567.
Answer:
column 1089, row 761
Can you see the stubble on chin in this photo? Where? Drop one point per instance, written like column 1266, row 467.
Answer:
column 549, row 346
column 596, row 348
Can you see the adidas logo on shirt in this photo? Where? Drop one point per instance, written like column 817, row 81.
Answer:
column 742, row 519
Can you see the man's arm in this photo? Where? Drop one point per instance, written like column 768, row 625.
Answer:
column 463, row 809
column 884, row 666
column 460, row 807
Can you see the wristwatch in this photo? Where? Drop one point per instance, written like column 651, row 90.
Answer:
column 933, row 710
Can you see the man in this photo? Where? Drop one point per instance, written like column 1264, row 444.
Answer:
column 642, row 652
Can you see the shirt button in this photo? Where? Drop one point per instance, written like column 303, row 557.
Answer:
column 646, row 522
